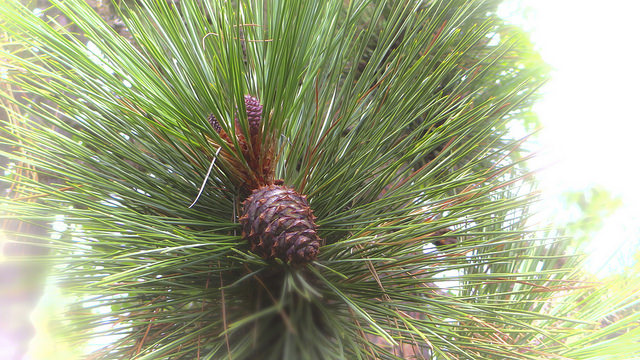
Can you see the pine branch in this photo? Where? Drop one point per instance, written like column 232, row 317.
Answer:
column 385, row 120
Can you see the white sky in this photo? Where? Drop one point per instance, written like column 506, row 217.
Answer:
column 590, row 107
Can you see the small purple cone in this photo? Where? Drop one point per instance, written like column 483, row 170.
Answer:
column 254, row 113
column 214, row 123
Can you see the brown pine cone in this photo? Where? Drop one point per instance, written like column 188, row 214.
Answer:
column 278, row 223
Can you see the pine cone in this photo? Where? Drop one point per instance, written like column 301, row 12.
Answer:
column 278, row 223
column 214, row 123
column 254, row 113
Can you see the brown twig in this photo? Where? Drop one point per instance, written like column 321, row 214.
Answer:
column 139, row 347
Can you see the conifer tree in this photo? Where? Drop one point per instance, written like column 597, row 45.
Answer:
column 267, row 179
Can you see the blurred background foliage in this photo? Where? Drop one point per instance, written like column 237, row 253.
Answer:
column 587, row 211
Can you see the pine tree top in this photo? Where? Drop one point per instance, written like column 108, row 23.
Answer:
column 387, row 117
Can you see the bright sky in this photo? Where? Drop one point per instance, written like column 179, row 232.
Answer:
column 590, row 108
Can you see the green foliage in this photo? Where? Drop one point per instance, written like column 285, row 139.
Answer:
column 390, row 116
column 593, row 206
